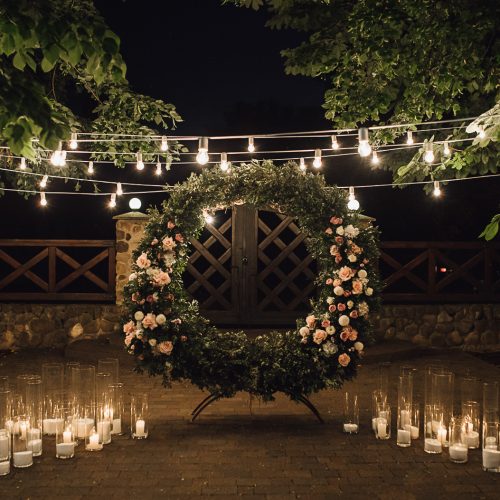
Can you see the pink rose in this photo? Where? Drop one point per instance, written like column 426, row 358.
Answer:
column 336, row 220
column 346, row 273
column 344, row 359
column 328, row 230
column 329, row 281
column 165, row 347
column 149, row 321
column 357, row 287
column 319, row 336
column 332, row 308
column 170, row 224
column 325, row 323
column 354, row 314
column 344, row 335
column 339, row 240
column 161, row 279
column 311, row 321
column 179, row 238
column 129, row 327
column 341, row 307
column 168, row 244
column 142, row 261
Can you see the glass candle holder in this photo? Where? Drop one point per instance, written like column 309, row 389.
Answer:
column 34, row 410
column 378, row 397
column 52, row 385
column 5, row 410
column 384, row 370
column 84, row 422
column 22, row 382
column 491, row 448
column 139, row 414
column 4, row 383
column 102, row 383
column 86, row 381
column 490, row 400
column 104, row 420
column 351, row 414
column 442, row 399
column 458, row 448
column 65, row 437
column 93, row 440
column 383, row 421
column 22, row 454
column 110, row 366
column 433, row 426
column 471, row 423
column 4, row 452
column 404, row 425
column 117, row 409
column 72, row 382
column 415, row 421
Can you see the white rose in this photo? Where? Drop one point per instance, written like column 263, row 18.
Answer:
column 351, row 231
column 132, row 277
column 338, row 290
column 352, row 258
column 340, row 231
column 139, row 315
column 350, row 303
column 304, row 331
column 152, row 342
column 330, row 330
column 330, row 348
column 359, row 346
column 161, row 319
column 330, row 300
column 151, row 270
column 362, row 273
column 343, row 320
column 369, row 291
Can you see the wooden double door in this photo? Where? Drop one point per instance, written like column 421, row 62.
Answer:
column 251, row 268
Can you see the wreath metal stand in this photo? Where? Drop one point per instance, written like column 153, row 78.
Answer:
column 211, row 398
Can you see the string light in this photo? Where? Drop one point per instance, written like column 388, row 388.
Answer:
column 335, row 143
column 43, row 182
column 375, row 158
column 224, row 164
column 73, row 143
column 353, row 203
column 43, row 199
column 112, row 200
column 251, row 145
column 140, row 164
column 409, row 137
column 446, row 149
column 302, row 165
column 119, row 189
column 158, row 170
column 202, row 156
column 209, row 218
column 317, row 158
column 428, row 152
column 90, row 169
column 22, row 165
column 437, row 189
column 134, row 203
column 164, row 143
column 364, row 148
column 58, row 157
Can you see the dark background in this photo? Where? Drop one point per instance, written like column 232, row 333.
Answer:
column 222, row 69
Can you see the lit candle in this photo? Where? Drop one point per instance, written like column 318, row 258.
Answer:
column 382, row 428
column 405, row 418
column 414, row 432
column 458, row 453
column 117, row 426
column 4, row 447
column 65, row 450
column 23, row 428
column 433, row 445
column 22, row 458
column 93, row 443
column 441, row 435
column 9, row 425
column 491, row 459
column 84, row 427
column 104, row 430
column 472, row 439
column 404, row 437
column 4, row 468
column 374, row 424
column 139, row 427
column 351, row 428
column 67, row 436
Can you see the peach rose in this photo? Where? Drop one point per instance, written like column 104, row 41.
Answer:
column 344, row 335
column 328, row 230
column 304, row 331
column 353, row 335
column 329, row 281
column 339, row 240
column 357, row 287
column 334, row 250
column 128, row 339
column 142, row 261
column 336, row 220
column 354, row 314
column 319, row 336
column 344, row 359
column 325, row 323
column 345, row 273
column 168, row 243
column 310, row 321
column 165, row 347
column 149, row 321
column 129, row 327
column 161, row 278
column 341, row 307
column 332, row 308
column 170, row 224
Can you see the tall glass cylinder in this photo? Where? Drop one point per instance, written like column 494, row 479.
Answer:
column 378, row 397
column 117, row 409
column 34, row 410
column 111, row 366
column 5, row 410
column 490, row 401
column 65, row 436
column 471, row 423
column 433, row 427
column 491, row 428
column 52, row 381
column 4, row 452
column 85, row 378
column 415, row 421
column 458, row 449
column 442, row 400
column 21, row 383
column 93, row 439
column 72, row 382
column 383, row 378
column 470, row 389
column 139, row 416
column 383, row 421
column 351, row 413
column 22, row 453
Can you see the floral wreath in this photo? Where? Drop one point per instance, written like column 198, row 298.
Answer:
column 162, row 325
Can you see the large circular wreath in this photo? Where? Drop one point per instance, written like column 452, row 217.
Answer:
column 167, row 335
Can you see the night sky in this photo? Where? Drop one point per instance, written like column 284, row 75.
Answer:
column 222, row 69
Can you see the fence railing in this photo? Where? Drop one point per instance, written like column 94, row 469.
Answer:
column 57, row 270
column 423, row 271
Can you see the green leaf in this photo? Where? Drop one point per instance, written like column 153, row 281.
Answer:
column 18, row 61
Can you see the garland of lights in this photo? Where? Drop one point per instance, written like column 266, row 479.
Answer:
column 166, row 334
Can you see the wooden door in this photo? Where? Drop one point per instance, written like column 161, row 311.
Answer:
column 251, row 268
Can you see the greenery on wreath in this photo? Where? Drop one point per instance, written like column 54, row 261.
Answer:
column 167, row 335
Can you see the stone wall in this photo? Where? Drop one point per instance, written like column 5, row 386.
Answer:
column 471, row 326
column 54, row 325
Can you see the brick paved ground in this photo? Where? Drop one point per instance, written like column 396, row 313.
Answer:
column 272, row 451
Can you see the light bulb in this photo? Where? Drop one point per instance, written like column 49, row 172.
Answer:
column 302, row 165
column 43, row 200
column 134, row 203
column 90, row 169
column 158, row 169
column 364, row 148
column 43, row 182
column 73, row 143
column 353, row 203
column 437, row 189
column 335, row 143
column 112, row 200
column 251, row 145
column 317, row 158
column 202, row 156
column 140, row 164
column 481, row 133
column 56, row 156
column 22, row 165
column 375, row 158
column 446, row 149
column 224, row 164
column 119, row 189
column 208, row 217
column 409, row 137
column 164, row 143
column 428, row 152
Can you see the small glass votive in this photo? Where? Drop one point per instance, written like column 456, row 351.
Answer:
column 104, row 416
column 22, row 453
column 34, row 409
column 351, row 414
column 84, row 422
column 116, row 402
column 378, row 397
column 139, row 408
column 403, row 438
column 471, row 423
column 458, row 449
column 65, row 435
column 4, row 452
column 491, row 450
column 383, row 421
column 93, row 440
column 433, row 426
column 415, row 421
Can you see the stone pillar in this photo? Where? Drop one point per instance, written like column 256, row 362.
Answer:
column 129, row 232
